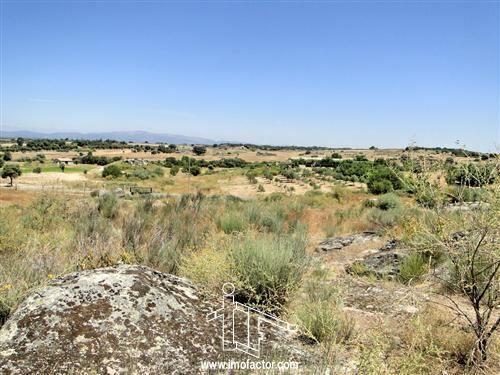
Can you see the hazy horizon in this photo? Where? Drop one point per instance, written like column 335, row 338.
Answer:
column 332, row 74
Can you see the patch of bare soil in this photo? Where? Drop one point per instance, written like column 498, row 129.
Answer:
column 50, row 178
column 9, row 196
column 240, row 187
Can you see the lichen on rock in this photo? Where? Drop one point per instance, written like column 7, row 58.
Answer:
column 124, row 319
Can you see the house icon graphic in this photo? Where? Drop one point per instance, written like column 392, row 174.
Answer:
column 242, row 325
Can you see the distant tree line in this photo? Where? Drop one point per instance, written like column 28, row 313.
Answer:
column 91, row 159
column 24, row 145
column 254, row 147
column 459, row 152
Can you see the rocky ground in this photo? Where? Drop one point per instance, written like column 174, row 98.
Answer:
column 364, row 265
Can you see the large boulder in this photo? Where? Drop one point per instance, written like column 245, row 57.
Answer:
column 124, row 319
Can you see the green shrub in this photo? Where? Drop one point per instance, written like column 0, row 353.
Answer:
column 472, row 174
column 45, row 213
column 7, row 156
column 193, row 170
column 323, row 322
column 174, row 170
column 158, row 171
column 141, row 173
column 315, row 198
column 268, row 268
column 37, row 170
column 320, row 317
column 457, row 194
column 251, row 175
column 261, row 189
column 274, row 197
column 289, row 173
column 112, row 170
column 271, row 221
column 269, row 218
column 385, row 219
column 370, row 203
column 108, row 205
column 428, row 198
column 388, row 201
column 268, row 175
column 231, row 222
column 379, row 186
column 413, row 267
column 383, row 180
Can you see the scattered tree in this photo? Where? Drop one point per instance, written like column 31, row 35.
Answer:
column 12, row 172
column 199, row 150
column 112, row 170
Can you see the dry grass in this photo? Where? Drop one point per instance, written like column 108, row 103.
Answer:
column 10, row 196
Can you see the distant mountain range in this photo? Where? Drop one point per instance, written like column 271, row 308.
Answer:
column 127, row 136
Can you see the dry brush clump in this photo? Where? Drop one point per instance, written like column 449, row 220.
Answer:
column 466, row 245
column 319, row 313
column 268, row 268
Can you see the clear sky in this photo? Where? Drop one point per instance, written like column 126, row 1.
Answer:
column 338, row 73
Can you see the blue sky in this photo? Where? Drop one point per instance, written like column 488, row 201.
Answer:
column 358, row 73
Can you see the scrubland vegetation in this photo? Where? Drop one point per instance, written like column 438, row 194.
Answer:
column 444, row 213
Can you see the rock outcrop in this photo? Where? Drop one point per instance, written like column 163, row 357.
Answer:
column 338, row 243
column 124, row 319
column 383, row 263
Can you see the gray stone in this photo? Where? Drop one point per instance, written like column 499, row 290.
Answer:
column 338, row 243
column 384, row 263
column 119, row 192
column 124, row 319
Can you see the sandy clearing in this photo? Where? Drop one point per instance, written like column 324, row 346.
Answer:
column 46, row 177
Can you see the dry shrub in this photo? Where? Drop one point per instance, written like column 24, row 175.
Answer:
column 437, row 332
column 268, row 268
column 320, row 316
column 209, row 267
column 231, row 222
